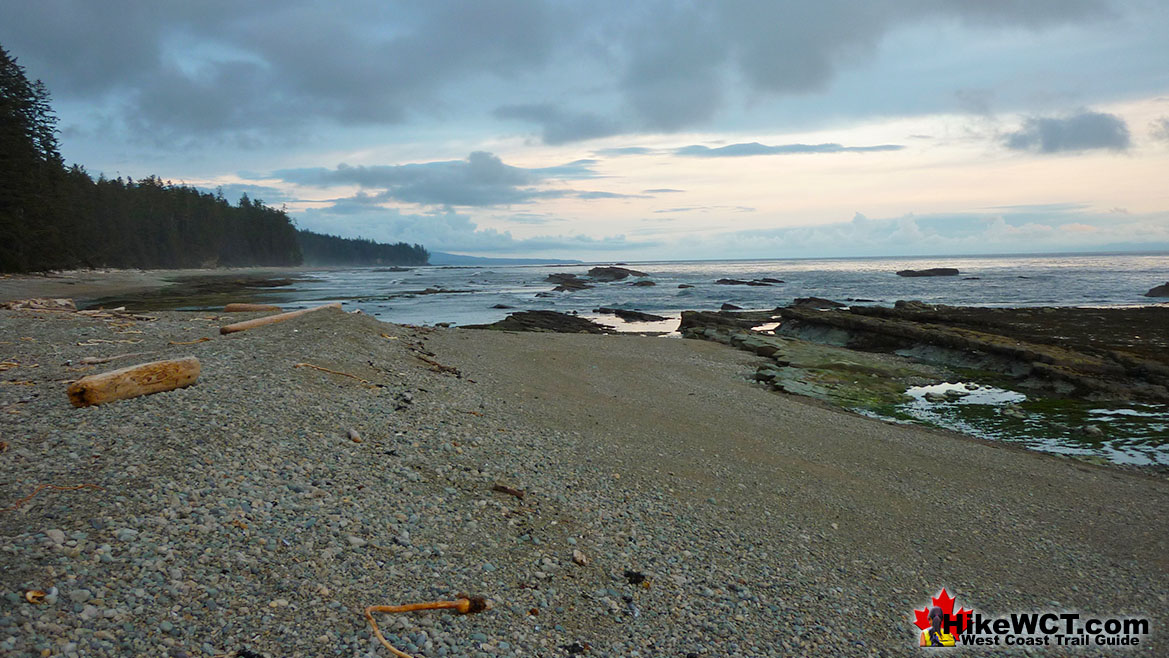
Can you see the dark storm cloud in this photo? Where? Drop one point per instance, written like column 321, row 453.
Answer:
column 755, row 148
column 268, row 69
column 1081, row 132
column 558, row 126
column 221, row 66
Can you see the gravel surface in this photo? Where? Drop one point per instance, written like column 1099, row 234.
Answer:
column 238, row 517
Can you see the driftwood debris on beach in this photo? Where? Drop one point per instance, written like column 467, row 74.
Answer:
column 272, row 319
column 133, row 381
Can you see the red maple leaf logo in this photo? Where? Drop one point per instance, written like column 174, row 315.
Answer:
column 946, row 602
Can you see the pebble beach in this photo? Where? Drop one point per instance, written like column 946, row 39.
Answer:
column 669, row 507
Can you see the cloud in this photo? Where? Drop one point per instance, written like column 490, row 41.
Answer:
column 662, row 190
column 608, row 195
column 705, row 209
column 1080, row 132
column 957, row 233
column 755, row 148
column 558, row 126
column 625, row 150
column 481, row 180
column 225, row 71
column 1160, row 129
column 450, row 231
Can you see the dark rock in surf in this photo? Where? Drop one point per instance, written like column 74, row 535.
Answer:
column 613, row 273
column 1159, row 291
column 547, row 321
column 629, row 315
column 929, row 272
column 816, row 302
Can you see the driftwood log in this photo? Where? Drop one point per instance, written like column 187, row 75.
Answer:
column 130, row 382
column 244, row 308
column 272, row 319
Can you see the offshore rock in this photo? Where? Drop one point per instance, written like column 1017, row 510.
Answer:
column 1159, row 291
column 548, row 321
column 816, row 302
column 629, row 315
column 933, row 271
column 613, row 273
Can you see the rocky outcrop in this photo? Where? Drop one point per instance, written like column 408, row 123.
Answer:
column 567, row 282
column 613, row 273
column 1042, row 348
column 548, row 321
column 933, row 271
column 730, row 307
column 698, row 320
column 643, row 284
column 816, row 302
column 1159, row 291
column 629, row 315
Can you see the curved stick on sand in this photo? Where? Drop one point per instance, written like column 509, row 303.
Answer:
column 133, row 381
column 271, row 319
column 463, row 605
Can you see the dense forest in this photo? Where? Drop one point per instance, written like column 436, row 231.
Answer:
column 54, row 217
column 321, row 249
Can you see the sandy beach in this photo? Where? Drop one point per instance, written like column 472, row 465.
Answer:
column 714, row 517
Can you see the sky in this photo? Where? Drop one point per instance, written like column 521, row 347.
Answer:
column 648, row 130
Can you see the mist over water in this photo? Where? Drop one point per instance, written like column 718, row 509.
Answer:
column 1066, row 280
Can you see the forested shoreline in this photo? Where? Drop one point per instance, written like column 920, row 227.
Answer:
column 55, row 217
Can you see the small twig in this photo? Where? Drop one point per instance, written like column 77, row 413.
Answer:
column 188, row 342
column 335, row 372
column 503, row 488
column 38, row 489
column 438, row 367
column 463, row 605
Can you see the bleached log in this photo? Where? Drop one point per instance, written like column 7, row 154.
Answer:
column 245, row 308
column 133, row 381
column 271, row 319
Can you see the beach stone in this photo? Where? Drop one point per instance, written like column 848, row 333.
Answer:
column 56, row 536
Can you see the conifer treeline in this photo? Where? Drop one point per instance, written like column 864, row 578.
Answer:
column 321, row 249
column 56, row 218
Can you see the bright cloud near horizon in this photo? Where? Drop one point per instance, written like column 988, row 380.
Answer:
column 636, row 131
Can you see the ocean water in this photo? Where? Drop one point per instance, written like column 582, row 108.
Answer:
column 1072, row 280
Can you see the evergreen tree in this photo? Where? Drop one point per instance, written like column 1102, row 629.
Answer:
column 30, row 170
column 52, row 217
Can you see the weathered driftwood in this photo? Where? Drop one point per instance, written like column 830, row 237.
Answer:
column 244, row 308
column 271, row 319
column 130, row 382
